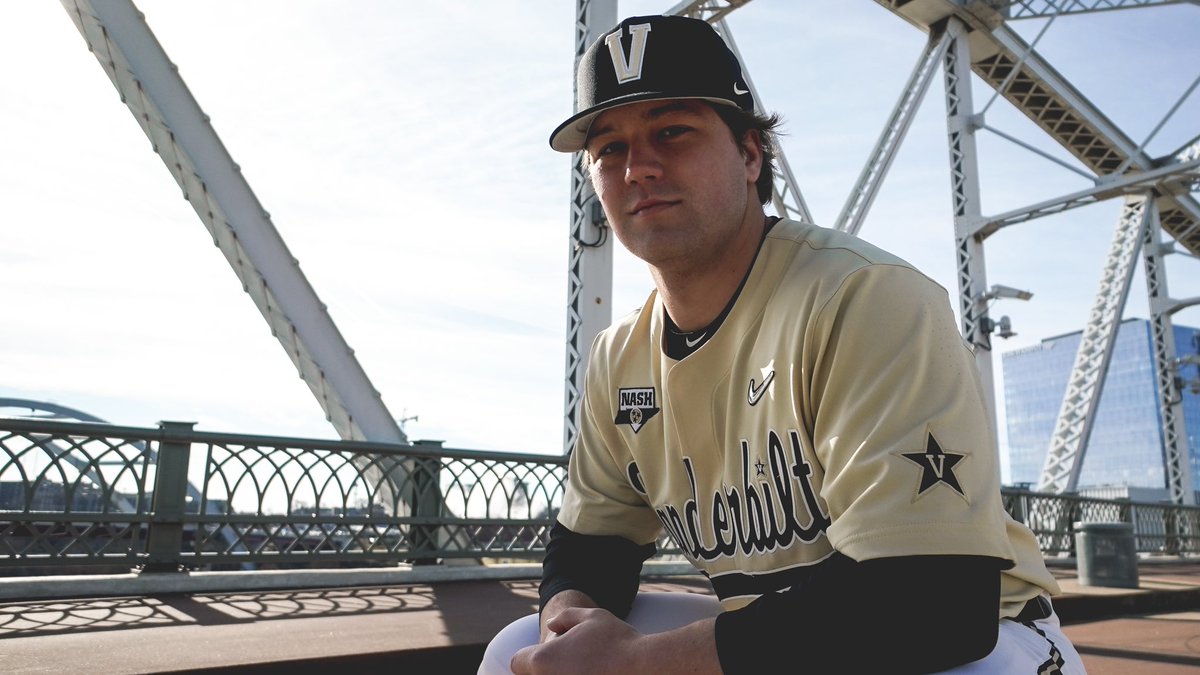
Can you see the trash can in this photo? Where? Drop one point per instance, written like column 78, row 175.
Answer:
column 1105, row 555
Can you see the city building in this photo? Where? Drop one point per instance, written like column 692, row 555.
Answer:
column 1126, row 446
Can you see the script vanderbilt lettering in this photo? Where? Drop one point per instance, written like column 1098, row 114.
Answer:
column 752, row 517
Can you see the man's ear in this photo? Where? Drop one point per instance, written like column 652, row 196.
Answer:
column 751, row 149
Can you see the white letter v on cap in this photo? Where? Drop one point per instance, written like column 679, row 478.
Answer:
column 628, row 71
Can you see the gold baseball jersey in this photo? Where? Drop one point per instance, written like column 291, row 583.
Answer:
column 835, row 408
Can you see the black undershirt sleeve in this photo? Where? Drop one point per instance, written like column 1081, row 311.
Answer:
column 606, row 568
column 916, row 614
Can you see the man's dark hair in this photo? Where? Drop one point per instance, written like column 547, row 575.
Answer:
column 739, row 122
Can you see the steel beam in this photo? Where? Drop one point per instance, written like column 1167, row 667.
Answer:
column 711, row 11
column 590, row 256
column 1034, row 9
column 150, row 85
column 1188, row 151
column 862, row 195
column 785, row 194
column 1163, row 180
column 785, row 191
column 1176, row 457
column 1048, row 99
column 1008, row 65
column 964, row 186
column 1076, row 417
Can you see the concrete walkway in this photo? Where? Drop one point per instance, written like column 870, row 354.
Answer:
column 442, row 627
column 1154, row 629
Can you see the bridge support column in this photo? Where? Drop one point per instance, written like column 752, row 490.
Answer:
column 964, row 185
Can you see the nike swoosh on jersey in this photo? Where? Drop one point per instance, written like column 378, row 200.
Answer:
column 692, row 343
column 754, row 394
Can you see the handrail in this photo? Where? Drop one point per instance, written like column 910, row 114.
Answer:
column 84, row 496
column 262, row 499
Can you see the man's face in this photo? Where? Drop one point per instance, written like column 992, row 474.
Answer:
column 675, row 185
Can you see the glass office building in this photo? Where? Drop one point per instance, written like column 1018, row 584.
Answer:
column 1126, row 446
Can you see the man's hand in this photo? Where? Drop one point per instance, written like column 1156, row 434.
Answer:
column 584, row 640
column 560, row 603
column 578, row 637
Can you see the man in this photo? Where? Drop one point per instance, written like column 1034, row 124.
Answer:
column 792, row 405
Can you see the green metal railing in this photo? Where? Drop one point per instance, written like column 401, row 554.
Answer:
column 171, row 498
column 95, row 496
column 1158, row 528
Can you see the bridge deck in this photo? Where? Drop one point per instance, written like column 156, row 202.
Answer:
column 443, row 627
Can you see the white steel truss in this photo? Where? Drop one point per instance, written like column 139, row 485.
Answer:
column 1004, row 61
column 1032, row 9
column 1076, row 417
column 1189, row 151
column 1075, row 123
column 708, row 10
column 1017, row 72
column 785, row 190
column 1176, row 457
column 590, row 259
column 149, row 84
column 964, row 189
column 1050, row 101
column 1164, row 179
column 875, row 170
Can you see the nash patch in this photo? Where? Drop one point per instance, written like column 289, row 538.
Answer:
column 635, row 407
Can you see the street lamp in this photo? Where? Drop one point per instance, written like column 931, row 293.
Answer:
column 1001, row 291
column 1003, row 327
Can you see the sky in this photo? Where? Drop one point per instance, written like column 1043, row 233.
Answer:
column 403, row 159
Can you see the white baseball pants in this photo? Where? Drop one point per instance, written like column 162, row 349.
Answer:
column 1036, row 648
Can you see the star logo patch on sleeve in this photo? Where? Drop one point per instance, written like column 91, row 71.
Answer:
column 937, row 466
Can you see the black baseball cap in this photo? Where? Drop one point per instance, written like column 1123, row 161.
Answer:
column 649, row 58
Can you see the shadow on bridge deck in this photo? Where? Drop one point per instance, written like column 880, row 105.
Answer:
column 443, row 626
